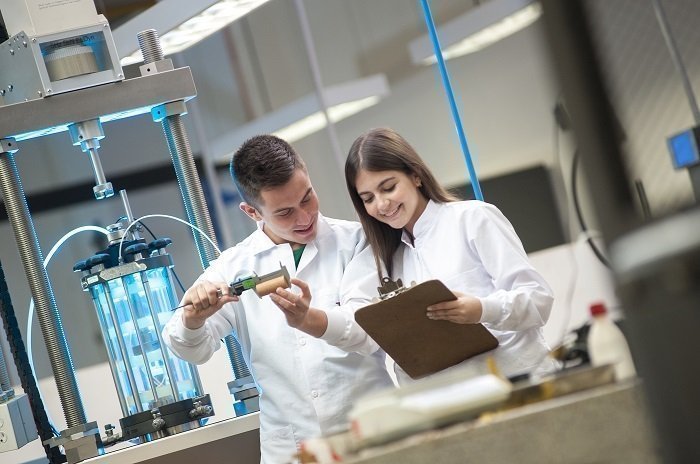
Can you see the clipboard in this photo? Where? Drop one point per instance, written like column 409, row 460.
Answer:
column 421, row 346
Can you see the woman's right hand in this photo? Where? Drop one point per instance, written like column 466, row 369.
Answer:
column 202, row 300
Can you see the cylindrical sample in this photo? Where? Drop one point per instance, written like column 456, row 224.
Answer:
column 265, row 288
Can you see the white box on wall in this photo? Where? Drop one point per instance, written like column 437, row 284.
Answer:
column 16, row 423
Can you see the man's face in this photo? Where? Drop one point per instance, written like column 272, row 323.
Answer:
column 290, row 211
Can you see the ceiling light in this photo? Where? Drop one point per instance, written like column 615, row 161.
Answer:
column 303, row 117
column 477, row 29
column 180, row 24
column 317, row 121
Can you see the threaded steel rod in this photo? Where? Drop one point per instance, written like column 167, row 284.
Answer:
column 149, row 43
column 45, row 303
column 240, row 369
column 190, row 186
column 190, row 189
column 198, row 214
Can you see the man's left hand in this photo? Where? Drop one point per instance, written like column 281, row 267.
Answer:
column 295, row 306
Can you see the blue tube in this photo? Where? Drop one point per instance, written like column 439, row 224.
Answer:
column 451, row 99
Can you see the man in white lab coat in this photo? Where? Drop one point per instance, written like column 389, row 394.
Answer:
column 307, row 383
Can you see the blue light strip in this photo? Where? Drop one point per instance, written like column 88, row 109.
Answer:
column 451, row 99
column 64, row 127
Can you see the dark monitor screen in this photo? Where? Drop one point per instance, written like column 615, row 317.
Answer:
column 527, row 199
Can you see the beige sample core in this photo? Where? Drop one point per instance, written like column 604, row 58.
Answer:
column 265, row 288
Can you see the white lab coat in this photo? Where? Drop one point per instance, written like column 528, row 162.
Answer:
column 472, row 248
column 307, row 385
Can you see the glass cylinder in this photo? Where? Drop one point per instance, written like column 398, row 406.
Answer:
column 134, row 301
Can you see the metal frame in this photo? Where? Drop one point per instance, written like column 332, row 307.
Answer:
column 109, row 102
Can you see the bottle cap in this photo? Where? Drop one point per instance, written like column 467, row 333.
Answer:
column 597, row 309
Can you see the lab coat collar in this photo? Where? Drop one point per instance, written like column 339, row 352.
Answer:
column 260, row 242
column 425, row 222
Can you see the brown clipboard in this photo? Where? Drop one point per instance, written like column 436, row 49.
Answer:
column 422, row 346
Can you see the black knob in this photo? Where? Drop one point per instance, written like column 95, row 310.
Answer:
column 159, row 243
column 80, row 266
column 97, row 259
column 135, row 248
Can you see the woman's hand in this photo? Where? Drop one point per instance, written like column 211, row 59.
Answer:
column 465, row 309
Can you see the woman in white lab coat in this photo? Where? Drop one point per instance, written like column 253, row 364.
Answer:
column 418, row 232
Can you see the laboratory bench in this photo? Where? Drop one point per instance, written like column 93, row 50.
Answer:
column 606, row 424
column 234, row 440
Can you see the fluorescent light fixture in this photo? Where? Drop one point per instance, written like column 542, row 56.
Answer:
column 180, row 24
column 317, row 121
column 304, row 116
column 477, row 29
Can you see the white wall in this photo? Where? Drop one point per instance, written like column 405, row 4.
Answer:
column 578, row 279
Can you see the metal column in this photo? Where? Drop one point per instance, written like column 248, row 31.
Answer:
column 188, row 181
column 693, row 171
column 656, row 265
column 318, row 82
column 32, row 261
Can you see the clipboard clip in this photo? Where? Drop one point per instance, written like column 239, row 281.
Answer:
column 390, row 288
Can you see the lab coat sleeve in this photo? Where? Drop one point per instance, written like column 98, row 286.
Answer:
column 197, row 346
column 358, row 286
column 522, row 298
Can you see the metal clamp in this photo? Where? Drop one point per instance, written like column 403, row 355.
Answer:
column 390, row 288
column 8, row 145
column 175, row 108
column 201, row 410
column 158, row 422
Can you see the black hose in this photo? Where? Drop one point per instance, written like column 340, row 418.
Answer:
column 172, row 269
column 579, row 214
column 24, row 369
column 3, row 30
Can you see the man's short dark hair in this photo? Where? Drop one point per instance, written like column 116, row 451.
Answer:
column 263, row 162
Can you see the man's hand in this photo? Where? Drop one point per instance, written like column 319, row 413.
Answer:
column 297, row 311
column 202, row 300
column 465, row 309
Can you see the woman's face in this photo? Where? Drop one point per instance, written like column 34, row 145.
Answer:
column 391, row 197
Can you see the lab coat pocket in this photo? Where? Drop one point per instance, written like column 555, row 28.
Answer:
column 324, row 299
column 278, row 445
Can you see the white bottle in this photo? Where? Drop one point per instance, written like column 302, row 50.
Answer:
column 607, row 344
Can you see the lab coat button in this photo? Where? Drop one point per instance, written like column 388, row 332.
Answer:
column 302, row 342
column 314, row 394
